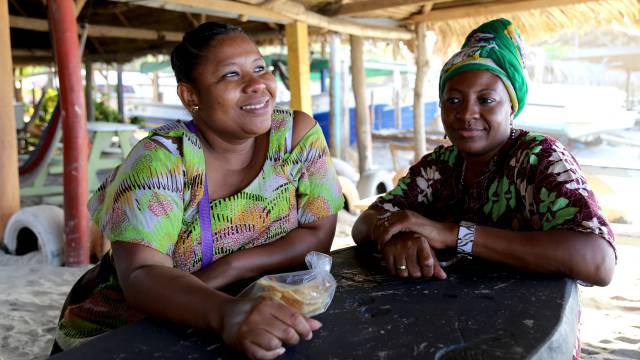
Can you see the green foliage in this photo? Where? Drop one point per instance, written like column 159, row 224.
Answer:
column 104, row 112
column 33, row 70
column 50, row 101
column 136, row 120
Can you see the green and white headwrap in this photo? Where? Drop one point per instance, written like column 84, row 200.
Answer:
column 494, row 46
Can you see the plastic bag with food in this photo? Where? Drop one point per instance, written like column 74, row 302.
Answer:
column 309, row 292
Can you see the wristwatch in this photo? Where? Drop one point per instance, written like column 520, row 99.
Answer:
column 466, row 235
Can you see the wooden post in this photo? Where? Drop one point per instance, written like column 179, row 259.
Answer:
column 88, row 90
column 345, row 104
column 363, row 125
column 335, row 95
column 397, row 87
column 299, row 66
column 397, row 101
column 418, row 97
column 155, row 87
column 120, row 92
column 64, row 33
column 10, row 183
column 18, row 88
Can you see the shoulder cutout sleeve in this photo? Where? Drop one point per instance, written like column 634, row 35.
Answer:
column 142, row 200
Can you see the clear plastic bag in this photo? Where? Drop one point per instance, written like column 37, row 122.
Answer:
column 309, row 292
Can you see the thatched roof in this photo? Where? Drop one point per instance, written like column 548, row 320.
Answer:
column 120, row 30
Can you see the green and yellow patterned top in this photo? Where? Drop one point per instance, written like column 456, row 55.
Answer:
column 152, row 199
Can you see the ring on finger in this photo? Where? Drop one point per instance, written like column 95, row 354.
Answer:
column 401, row 267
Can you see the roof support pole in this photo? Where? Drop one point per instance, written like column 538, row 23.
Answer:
column 297, row 34
column 346, row 111
column 422, row 64
column 363, row 124
column 335, row 95
column 9, row 183
column 120, row 92
column 88, row 90
column 74, row 127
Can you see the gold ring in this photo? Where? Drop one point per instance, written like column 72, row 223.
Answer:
column 401, row 267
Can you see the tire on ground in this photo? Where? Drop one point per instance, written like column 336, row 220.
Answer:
column 374, row 182
column 344, row 169
column 350, row 193
column 46, row 222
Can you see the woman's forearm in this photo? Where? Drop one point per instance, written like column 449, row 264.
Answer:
column 286, row 252
column 186, row 301
column 361, row 231
column 582, row 256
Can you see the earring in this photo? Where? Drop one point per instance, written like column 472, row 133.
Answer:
column 445, row 136
column 513, row 132
column 194, row 109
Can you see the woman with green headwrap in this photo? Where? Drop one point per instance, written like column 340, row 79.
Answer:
column 498, row 193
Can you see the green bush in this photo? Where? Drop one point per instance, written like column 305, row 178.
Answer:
column 105, row 113
column 136, row 120
column 50, row 101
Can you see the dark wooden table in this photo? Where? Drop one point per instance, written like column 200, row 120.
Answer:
column 480, row 312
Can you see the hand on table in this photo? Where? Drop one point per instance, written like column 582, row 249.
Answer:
column 409, row 254
column 261, row 327
column 439, row 235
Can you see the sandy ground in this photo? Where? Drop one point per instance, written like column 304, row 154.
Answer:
column 31, row 295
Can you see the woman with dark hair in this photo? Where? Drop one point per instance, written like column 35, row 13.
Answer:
column 498, row 193
column 244, row 189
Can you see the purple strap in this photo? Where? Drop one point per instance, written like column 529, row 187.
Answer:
column 206, row 238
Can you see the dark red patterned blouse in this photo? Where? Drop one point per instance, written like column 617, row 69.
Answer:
column 532, row 184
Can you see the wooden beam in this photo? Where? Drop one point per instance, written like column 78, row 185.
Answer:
column 10, row 184
column 79, row 6
column 17, row 6
column 269, row 3
column 31, row 53
column 35, row 24
column 298, row 66
column 343, row 26
column 361, row 7
column 122, row 19
column 26, row 23
column 491, row 9
column 214, row 7
column 283, row 11
column 97, row 45
column 193, row 21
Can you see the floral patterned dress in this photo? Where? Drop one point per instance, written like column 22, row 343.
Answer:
column 152, row 199
column 532, row 184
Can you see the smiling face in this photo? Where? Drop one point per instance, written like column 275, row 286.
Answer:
column 233, row 89
column 476, row 113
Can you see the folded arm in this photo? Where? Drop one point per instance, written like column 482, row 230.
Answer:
column 286, row 252
column 258, row 327
column 580, row 255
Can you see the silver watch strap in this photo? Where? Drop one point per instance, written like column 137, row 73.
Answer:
column 466, row 235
